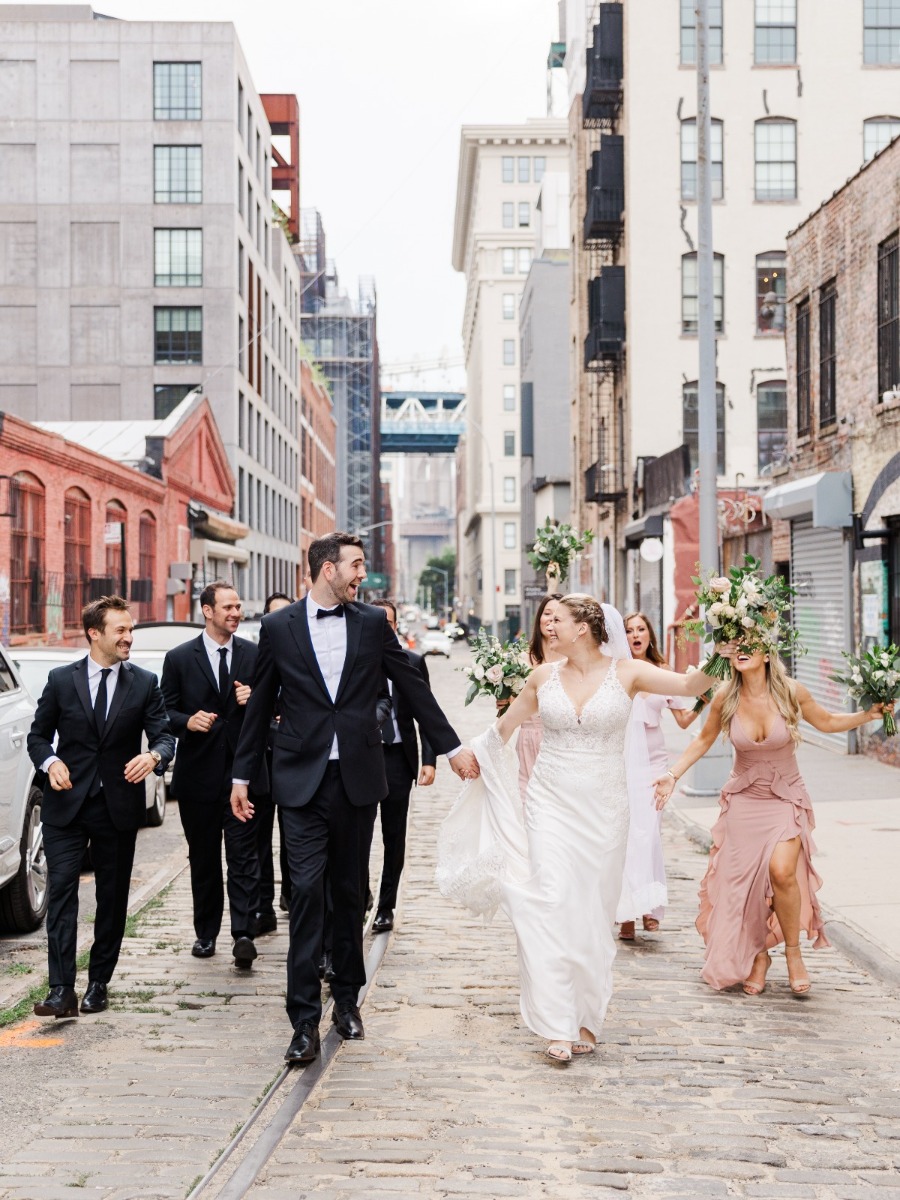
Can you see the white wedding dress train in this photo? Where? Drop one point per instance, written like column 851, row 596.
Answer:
column 557, row 871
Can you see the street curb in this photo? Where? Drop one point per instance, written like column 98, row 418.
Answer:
column 845, row 935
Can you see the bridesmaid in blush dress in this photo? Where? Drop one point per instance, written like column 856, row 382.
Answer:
column 541, row 649
column 760, row 886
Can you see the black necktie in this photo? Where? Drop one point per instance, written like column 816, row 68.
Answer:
column 223, row 674
column 330, row 612
column 387, row 730
column 100, row 701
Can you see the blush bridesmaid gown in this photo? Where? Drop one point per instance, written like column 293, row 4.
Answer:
column 763, row 802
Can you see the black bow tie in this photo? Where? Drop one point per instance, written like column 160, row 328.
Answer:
column 329, row 612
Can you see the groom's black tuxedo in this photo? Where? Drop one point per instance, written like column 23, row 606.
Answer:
column 328, row 805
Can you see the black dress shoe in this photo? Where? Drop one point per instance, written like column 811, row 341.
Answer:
column 59, row 1002
column 204, row 948
column 284, row 902
column 95, row 999
column 266, row 923
column 304, row 1045
column 244, row 953
column 384, row 921
column 327, row 969
column 349, row 1022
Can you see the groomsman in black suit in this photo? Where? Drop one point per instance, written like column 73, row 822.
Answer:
column 207, row 683
column 94, row 793
column 401, row 762
column 324, row 658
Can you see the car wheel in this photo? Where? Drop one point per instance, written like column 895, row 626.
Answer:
column 156, row 813
column 23, row 902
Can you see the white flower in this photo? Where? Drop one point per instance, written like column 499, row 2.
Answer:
column 715, row 609
column 856, row 677
column 747, row 622
column 728, row 612
column 540, row 548
column 720, row 585
column 478, row 671
column 742, row 606
column 714, row 621
column 517, row 684
column 494, row 674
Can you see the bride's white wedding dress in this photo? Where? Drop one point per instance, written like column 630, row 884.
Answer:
column 557, row 871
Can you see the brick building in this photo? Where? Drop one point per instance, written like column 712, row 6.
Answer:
column 840, row 489
column 147, row 519
column 318, row 441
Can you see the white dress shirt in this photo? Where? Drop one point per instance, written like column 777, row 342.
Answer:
column 329, row 643
column 212, row 653
column 397, row 738
column 94, row 670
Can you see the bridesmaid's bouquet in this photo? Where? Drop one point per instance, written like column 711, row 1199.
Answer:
column 874, row 678
column 499, row 669
column 745, row 608
column 554, row 547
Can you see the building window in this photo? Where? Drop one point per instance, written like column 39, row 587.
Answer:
column 509, row 397
column 802, row 367
column 771, row 292
column 508, row 168
column 509, row 214
column 776, row 160
column 26, row 568
column 508, row 259
column 177, row 174
column 509, row 352
column 771, row 423
column 878, row 133
column 524, row 214
column 77, row 555
column 178, row 335
column 690, row 408
column 509, row 306
column 178, row 257
column 775, row 42
column 509, row 581
column 888, row 315
column 540, row 167
column 689, row 33
column 146, row 564
column 167, row 396
column 176, row 91
column 690, row 293
column 524, row 172
column 114, row 541
column 509, row 489
column 689, row 160
column 881, row 33
column 524, row 259
column 827, row 355
column 509, row 535
column 509, row 445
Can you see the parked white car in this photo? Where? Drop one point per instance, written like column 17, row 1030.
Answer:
column 435, row 642
column 23, row 865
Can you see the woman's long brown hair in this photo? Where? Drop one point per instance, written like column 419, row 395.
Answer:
column 654, row 654
column 536, row 645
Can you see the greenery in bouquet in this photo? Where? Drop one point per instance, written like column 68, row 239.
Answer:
column 499, row 669
column 873, row 678
column 554, row 548
column 743, row 607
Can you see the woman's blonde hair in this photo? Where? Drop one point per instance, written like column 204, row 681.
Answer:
column 781, row 689
column 585, row 608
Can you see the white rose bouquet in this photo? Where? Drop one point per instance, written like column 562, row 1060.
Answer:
column 745, row 608
column 499, row 669
column 874, row 678
column 554, row 548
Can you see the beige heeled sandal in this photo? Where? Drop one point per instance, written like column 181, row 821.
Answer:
column 802, row 984
column 752, row 987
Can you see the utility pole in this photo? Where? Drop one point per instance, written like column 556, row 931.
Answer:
column 706, row 326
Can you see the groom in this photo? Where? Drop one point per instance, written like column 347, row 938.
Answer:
column 323, row 659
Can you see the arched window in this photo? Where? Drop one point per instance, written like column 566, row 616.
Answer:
column 877, row 133
column 26, row 582
column 77, row 554
column 689, row 160
column 690, row 293
column 114, row 540
column 146, row 565
column 776, row 159
column 691, row 425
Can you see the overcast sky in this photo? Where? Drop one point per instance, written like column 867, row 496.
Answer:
column 384, row 86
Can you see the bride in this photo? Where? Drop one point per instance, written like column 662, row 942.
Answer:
column 557, row 871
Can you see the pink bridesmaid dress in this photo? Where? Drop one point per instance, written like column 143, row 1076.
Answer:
column 763, row 802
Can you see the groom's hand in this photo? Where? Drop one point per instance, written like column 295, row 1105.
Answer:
column 240, row 802
column 465, row 764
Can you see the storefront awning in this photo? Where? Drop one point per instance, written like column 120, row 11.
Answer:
column 827, row 497
column 204, row 548
column 648, row 526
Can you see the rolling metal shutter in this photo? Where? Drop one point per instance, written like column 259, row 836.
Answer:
column 819, row 573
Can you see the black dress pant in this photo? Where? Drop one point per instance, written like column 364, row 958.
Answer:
column 112, row 853
column 394, row 813
column 329, row 833
column 264, row 822
column 204, row 827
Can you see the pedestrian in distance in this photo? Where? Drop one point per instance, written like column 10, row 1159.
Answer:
column 94, row 794
column 760, row 886
column 323, row 659
column 644, row 893
column 543, row 647
column 206, row 683
column 401, row 762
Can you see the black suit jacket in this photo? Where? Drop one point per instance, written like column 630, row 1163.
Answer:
column 204, row 761
column 406, row 723
column 309, row 717
column 65, row 708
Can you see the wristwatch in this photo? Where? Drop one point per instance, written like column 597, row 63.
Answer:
column 156, row 756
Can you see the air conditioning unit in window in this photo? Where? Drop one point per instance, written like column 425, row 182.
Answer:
column 891, row 394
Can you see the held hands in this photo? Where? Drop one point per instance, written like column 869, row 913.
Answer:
column 240, row 802
column 202, row 722
column 58, row 774
column 138, row 768
column 426, row 777
column 465, row 764
column 241, row 692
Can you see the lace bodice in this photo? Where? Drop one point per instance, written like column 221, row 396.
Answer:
column 601, row 726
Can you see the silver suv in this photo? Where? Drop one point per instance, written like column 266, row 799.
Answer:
column 23, row 866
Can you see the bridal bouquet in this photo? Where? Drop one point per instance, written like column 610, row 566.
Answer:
column 743, row 607
column 499, row 670
column 874, row 678
column 554, row 548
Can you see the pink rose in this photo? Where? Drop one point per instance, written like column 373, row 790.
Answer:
column 494, row 674
column 720, row 586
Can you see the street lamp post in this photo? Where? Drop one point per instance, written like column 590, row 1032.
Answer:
column 470, row 420
column 446, row 575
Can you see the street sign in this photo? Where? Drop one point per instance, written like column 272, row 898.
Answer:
column 534, row 592
column 375, row 579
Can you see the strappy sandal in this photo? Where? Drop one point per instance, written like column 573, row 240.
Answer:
column 750, row 986
column 584, row 1045
column 559, row 1051
column 626, row 931
column 650, row 923
column 803, row 984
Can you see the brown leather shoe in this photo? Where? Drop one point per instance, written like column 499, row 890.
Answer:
column 59, row 1002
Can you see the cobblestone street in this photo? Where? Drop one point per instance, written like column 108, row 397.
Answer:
column 691, row 1093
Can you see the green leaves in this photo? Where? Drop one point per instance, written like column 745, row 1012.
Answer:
column 555, row 546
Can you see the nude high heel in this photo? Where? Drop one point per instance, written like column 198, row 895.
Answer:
column 752, row 987
column 802, row 984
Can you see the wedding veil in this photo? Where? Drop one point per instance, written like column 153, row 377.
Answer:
column 617, row 644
